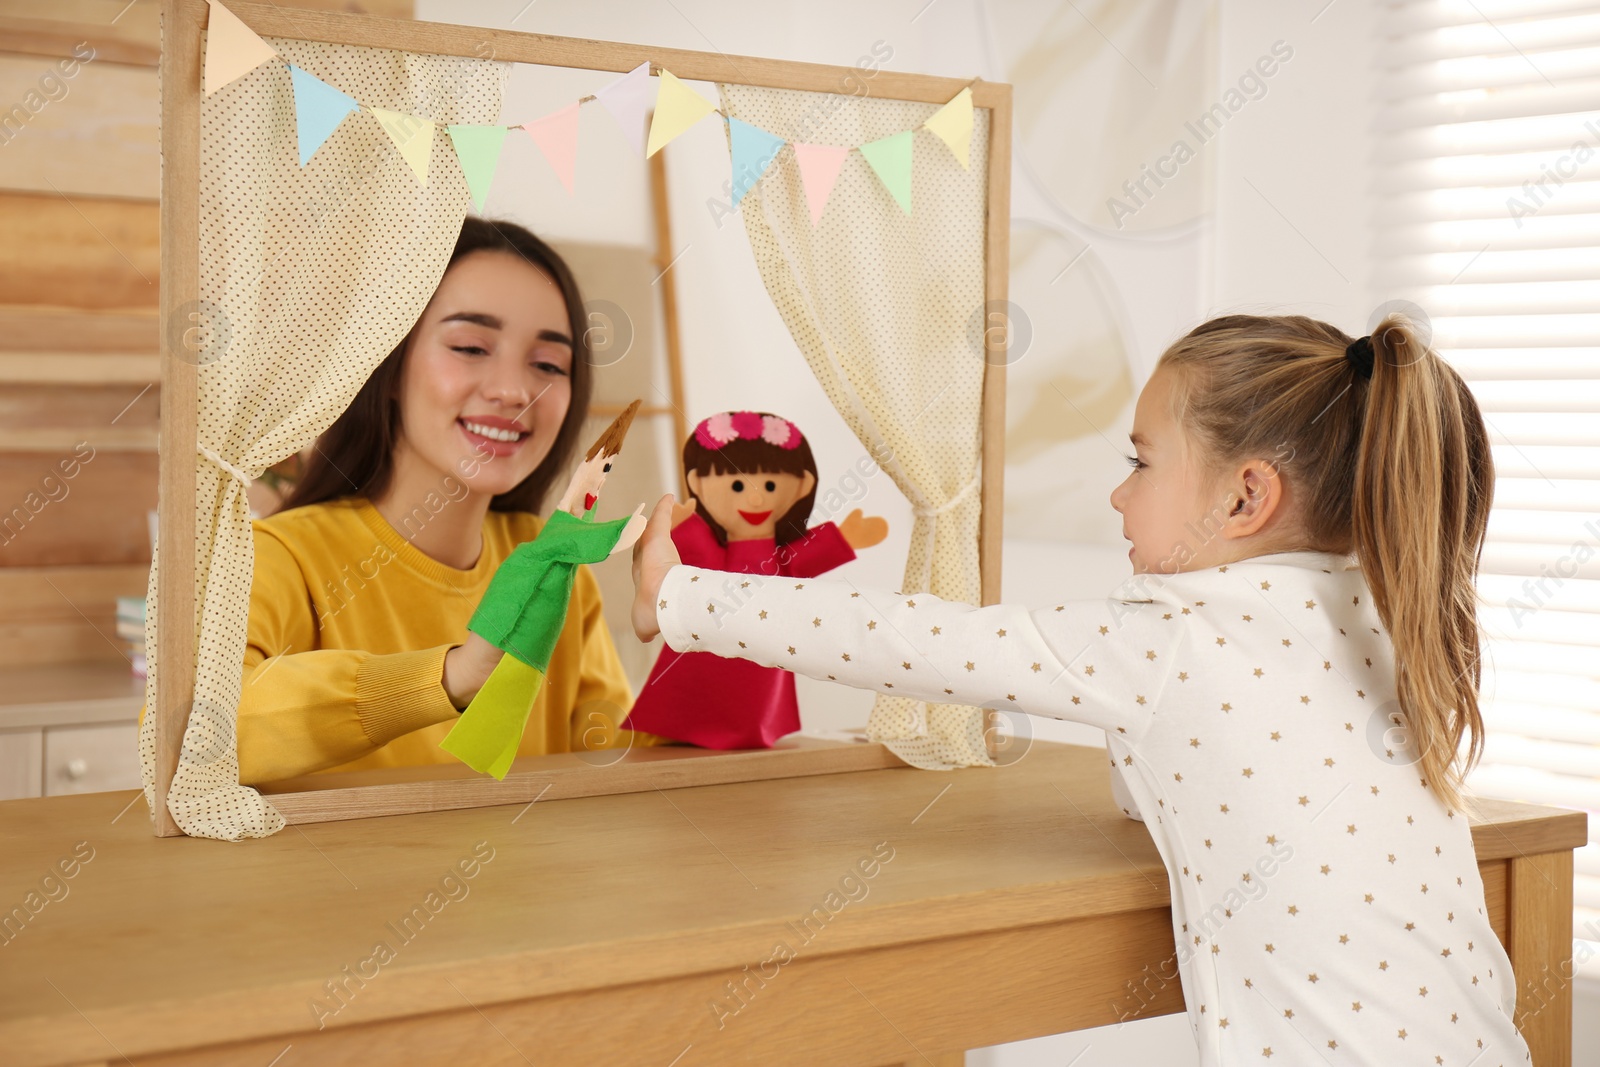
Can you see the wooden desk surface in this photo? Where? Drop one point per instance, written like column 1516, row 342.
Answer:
column 161, row 945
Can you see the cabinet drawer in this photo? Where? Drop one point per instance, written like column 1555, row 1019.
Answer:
column 91, row 759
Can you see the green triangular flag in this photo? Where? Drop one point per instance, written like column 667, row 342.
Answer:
column 891, row 161
column 478, row 151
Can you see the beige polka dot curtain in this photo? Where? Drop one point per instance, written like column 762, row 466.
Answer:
column 886, row 308
column 308, row 278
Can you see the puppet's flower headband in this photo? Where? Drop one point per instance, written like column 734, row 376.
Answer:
column 727, row 426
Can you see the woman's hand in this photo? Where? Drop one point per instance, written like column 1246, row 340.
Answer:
column 653, row 557
column 861, row 532
column 467, row 667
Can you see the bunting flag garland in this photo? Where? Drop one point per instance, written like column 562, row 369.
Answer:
column 819, row 169
column 232, row 48
column 478, row 151
column 557, row 137
column 412, row 135
column 677, row 108
column 890, row 158
column 627, row 99
column 753, row 150
column 318, row 110
column 952, row 124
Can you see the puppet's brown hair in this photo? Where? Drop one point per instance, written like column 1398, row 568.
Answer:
column 610, row 442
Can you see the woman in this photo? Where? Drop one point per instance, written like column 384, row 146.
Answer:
column 357, row 652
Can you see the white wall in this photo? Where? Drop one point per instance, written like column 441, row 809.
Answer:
column 1294, row 174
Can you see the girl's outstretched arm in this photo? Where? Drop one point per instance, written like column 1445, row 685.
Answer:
column 1099, row 662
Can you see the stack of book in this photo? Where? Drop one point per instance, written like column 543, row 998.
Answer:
column 130, row 627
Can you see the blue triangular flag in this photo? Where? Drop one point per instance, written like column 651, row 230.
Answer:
column 753, row 150
column 318, row 110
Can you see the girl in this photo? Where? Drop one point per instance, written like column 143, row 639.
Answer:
column 753, row 481
column 357, row 651
column 1284, row 684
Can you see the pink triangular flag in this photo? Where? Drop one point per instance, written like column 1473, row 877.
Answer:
column 557, row 137
column 628, row 98
column 232, row 48
column 819, row 169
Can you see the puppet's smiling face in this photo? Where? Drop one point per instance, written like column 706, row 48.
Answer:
column 748, row 506
column 488, row 373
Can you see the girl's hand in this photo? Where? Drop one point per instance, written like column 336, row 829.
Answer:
column 653, row 557
column 861, row 532
column 681, row 512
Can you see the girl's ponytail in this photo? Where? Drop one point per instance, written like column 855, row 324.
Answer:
column 1424, row 478
column 1389, row 458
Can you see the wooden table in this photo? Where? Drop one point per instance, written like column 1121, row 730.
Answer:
column 1014, row 903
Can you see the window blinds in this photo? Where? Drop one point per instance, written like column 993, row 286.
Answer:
column 1487, row 210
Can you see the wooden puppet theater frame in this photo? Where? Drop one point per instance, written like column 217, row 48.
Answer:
column 439, row 787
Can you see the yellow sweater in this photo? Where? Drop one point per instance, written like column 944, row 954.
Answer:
column 349, row 625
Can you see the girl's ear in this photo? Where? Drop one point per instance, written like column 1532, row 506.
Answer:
column 693, row 480
column 1255, row 493
column 807, row 481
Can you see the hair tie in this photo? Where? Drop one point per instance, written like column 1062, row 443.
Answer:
column 1360, row 355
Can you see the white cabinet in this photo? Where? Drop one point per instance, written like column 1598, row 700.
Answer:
column 91, row 759
column 21, row 763
column 68, row 728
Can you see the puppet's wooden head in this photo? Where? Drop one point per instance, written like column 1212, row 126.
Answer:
column 751, row 475
column 584, row 489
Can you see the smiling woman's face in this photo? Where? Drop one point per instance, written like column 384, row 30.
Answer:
column 488, row 373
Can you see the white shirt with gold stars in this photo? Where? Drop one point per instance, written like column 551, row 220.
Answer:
column 1326, row 906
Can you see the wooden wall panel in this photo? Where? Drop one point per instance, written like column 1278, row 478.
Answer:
column 99, row 516
column 86, row 252
column 64, row 614
column 125, row 32
column 94, row 133
column 86, row 407
column 54, row 329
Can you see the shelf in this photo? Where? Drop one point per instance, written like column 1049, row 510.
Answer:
column 69, row 694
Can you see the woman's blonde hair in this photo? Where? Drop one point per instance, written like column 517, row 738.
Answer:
column 1395, row 468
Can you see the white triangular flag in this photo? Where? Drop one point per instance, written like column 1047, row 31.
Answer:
column 628, row 98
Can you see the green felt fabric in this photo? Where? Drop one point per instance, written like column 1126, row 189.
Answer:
column 525, row 606
column 522, row 613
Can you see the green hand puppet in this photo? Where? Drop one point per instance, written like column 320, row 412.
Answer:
column 525, row 607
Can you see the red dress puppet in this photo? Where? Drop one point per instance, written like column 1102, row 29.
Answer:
column 753, row 482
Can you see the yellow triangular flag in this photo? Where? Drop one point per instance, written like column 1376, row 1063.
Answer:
column 952, row 124
column 232, row 48
column 412, row 135
column 677, row 108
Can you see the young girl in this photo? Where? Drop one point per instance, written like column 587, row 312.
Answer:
column 357, row 653
column 1284, row 685
column 753, row 481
